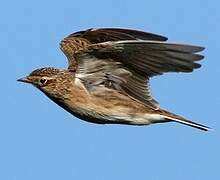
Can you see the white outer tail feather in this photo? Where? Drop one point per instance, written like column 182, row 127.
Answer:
column 188, row 123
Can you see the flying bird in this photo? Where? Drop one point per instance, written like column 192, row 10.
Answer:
column 107, row 79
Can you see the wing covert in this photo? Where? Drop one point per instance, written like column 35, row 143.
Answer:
column 115, row 34
column 97, row 73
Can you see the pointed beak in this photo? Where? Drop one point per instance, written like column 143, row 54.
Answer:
column 24, row 79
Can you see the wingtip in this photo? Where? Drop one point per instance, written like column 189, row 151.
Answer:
column 201, row 48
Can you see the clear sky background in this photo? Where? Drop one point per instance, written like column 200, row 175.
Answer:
column 41, row 141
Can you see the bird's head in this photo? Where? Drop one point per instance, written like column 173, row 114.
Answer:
column 53, row 82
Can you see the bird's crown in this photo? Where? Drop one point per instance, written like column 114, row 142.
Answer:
column 45, row 71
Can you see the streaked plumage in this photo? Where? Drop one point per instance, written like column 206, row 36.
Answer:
column 107, row 80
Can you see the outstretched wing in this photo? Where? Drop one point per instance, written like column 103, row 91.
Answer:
column 101, row 74
column 150, row 58
column 123, row 59
column 82, row 39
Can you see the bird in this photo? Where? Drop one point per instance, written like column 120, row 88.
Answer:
column 107, row 79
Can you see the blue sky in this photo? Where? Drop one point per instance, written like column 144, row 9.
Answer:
column 39, row 140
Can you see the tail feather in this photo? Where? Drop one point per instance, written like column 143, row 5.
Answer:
column 190, row 123
column 172, row 117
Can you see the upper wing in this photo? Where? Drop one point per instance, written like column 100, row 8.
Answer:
column 150, row 57
column 115, row 34
column 123, row 59
column 82, row 39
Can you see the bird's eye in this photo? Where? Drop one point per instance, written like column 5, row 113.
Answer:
column 43, row 81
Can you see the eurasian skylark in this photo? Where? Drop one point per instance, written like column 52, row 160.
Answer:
column 107, row 80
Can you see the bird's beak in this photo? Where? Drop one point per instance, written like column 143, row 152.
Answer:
column 24, row 79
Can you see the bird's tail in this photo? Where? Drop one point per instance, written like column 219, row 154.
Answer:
column 168, row 116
